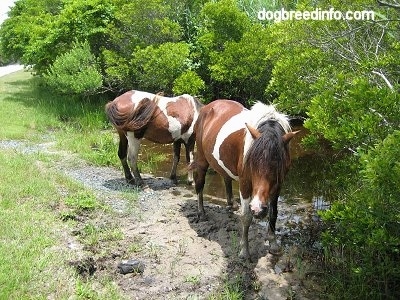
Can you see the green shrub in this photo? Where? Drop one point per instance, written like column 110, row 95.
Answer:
column 363, row 241
column 156, row 68
column 75, row 72
column 188, row 82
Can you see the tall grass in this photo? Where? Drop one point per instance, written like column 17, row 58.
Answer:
column 78, row 125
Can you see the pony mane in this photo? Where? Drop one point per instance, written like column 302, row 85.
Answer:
column 261, row 112
column 267, row 155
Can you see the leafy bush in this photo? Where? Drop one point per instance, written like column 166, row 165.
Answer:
column 353, row 114
column 156, row 68
column 188, row 82
column 363, row 241
column 243, row 68
column 75, row 72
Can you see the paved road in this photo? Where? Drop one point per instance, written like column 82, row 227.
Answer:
column 10, row 69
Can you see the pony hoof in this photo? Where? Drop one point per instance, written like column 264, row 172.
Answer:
column 130, row 181
column 275, row 250
column 245, row 257
column 202, row 217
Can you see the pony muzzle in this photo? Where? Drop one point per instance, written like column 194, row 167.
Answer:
column 258, row 210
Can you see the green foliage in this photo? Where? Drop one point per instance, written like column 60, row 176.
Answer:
column 53, row 31
column 243, row 68
column 30, row 233
column 367, row 226
column 224, row 22
column 188, row 83
column 28, row 23
column 353, row 113
column 75, row 72
column 156, row 68
column 143, row 23
column 138, row 24
column 117, row 70
column 82, row 201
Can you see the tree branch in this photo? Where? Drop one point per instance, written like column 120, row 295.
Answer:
column 384, row 79
column 384, row 3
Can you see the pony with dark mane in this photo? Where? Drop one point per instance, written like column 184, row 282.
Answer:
column 136, row 115
column 249, row 146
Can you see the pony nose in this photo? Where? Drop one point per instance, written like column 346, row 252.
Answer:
column 255, row 209
column 259, row 211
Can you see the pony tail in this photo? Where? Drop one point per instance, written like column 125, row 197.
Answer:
column 113, row 114
column 141, row 114
column 131, row 119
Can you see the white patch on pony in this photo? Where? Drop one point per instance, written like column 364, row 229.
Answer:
column 237, row 122
column 256, row 205
column 259, row 113
column 138, row 96
column 134, row 147
column 244, row 204
column 189, row 132
column 190, row 172
column 174, row 126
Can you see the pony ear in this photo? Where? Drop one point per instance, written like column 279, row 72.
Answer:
column 288, row 136
column 253, row 131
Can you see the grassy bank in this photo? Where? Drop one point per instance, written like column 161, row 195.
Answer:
column 31, row 263
column 78, row 125
column 34, row 198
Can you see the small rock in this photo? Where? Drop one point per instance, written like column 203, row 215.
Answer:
column 131, row 266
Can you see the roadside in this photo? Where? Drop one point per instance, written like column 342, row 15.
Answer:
column 5, row 70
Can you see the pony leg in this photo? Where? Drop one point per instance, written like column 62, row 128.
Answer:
column 228, row 192
column 245, row 217
column 133, row 152
column 177, row 155
column 122, row 154
column 273, row 213
column 189, row 148
column 200, row 179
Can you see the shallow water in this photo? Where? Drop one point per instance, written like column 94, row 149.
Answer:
column 305, row 182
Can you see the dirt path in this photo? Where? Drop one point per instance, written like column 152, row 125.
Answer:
column 183, row 258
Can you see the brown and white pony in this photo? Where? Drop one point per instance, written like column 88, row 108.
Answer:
column 164, row 120
column 250, row 146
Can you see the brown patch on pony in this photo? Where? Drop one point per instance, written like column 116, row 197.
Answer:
column 125, row 116
column 174, row 109
column 156, row 131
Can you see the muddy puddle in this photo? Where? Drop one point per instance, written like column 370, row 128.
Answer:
column 303, row 194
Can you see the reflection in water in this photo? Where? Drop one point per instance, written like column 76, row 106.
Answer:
column 306, row 182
